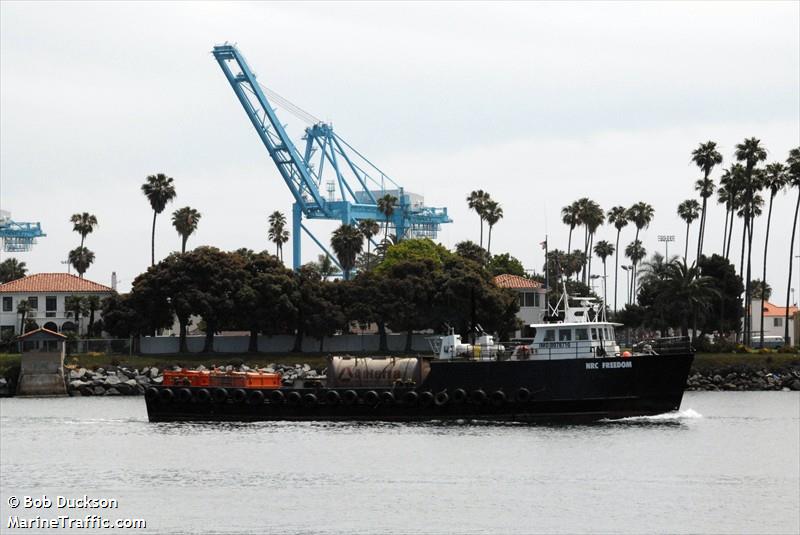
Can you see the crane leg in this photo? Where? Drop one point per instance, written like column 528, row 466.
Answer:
column 297, row 214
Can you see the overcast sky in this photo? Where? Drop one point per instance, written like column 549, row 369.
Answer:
column 537, row 103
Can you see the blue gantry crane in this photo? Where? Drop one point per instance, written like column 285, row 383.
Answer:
column 352, row 183
column 18, row 237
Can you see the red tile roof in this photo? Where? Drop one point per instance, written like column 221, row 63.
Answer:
column 41, row 330
column 515, row 282
column 772, row 310
column 52, row 282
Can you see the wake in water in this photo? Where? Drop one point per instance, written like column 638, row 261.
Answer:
column 674, row 416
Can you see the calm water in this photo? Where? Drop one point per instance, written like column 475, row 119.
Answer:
column 727, row 463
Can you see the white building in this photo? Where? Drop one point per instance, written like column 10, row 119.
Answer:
column 774, row 318
column 532, row 300
column 46, row 293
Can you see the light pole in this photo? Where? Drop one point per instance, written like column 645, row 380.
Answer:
column 666, row 238
column 595, row 277
column 627, row 269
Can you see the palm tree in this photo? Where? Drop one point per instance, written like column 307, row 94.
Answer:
column 793, row 172
column 636, row 253
column 277, row 232
column 705, row 156
column 159, row 190
column 23, row 307
column 751, row 153
column 325, row 266
column 689, row 210
column 603, row 250
column 775, row 179
column 368, row 228
column 185, row 221
column 12, row 269
column 93, row 304
column 80, row 258
column 591, row 217
column 347, row 242
column 683, row 284
column 570, row 215
column 83, row 224
column 386, row 206
column 493, row 213
column 76, row 304
column 618, row 216
column 640, row 214
column 477, row 201
column 730, row 193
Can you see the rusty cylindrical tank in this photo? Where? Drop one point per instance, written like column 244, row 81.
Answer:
column 375, row 372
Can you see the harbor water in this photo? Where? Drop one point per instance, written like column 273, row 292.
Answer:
column 728, row 462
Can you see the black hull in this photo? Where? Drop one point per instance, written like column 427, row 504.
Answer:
column 518, row 391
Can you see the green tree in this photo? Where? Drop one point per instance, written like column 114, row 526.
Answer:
column 185, row 221
column 12, row 269
column 689, row 210
column 325, row 266
column 81, row 258
column 318, row 314
column 493, row 214
column 570, row 216
column 793, row 173
column 751, row 153
column 706, row 157
column 761, row 290
column 417, row 249
column 159, row 190
column 617, row 216
column 640, row 214
column 368, row 228
column 505, row 263
column 477, row 201
column 23, row 309
column 120, row 318
column 83, row 224
column 636, row 252
column 472, row 251
column 93, row 305
column 264, row 300
column 409, row 285
column 347, row 242
column 78, row 306
column 603, row 250
column 725, row 312
column 277, row 232
column 775, row 180
column 386, row 206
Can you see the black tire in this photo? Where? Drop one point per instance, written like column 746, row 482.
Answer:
column 410, row 398
column 498, row 398
column 332, row 397
column 220, row 395
column 238, row 395
column 479, row 397
column 310, row 400
column 184, row 395
column 426, row 398
column 294, row 398
column 150, row 394
column 166, row 395
column 277, row 397
column 372, row 398
column 256, row 397
column 522, row 395
column 349, row 397
column 203, row 395
column 441, row 398
column 459, row 395
column 387, row 398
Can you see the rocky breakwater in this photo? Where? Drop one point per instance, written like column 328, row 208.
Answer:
column 126, row 381
column 741, row 378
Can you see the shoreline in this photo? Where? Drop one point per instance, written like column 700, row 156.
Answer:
column 710, row 372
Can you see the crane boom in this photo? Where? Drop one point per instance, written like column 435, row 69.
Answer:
column 326, row 158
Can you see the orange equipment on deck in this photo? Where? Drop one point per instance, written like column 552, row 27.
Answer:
column 225, row 379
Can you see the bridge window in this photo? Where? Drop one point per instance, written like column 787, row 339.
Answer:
column 564, row 335
column 581, row 334
column 550, row 335
column 529, row 299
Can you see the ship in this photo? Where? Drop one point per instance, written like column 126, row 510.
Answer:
column 569, row 368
